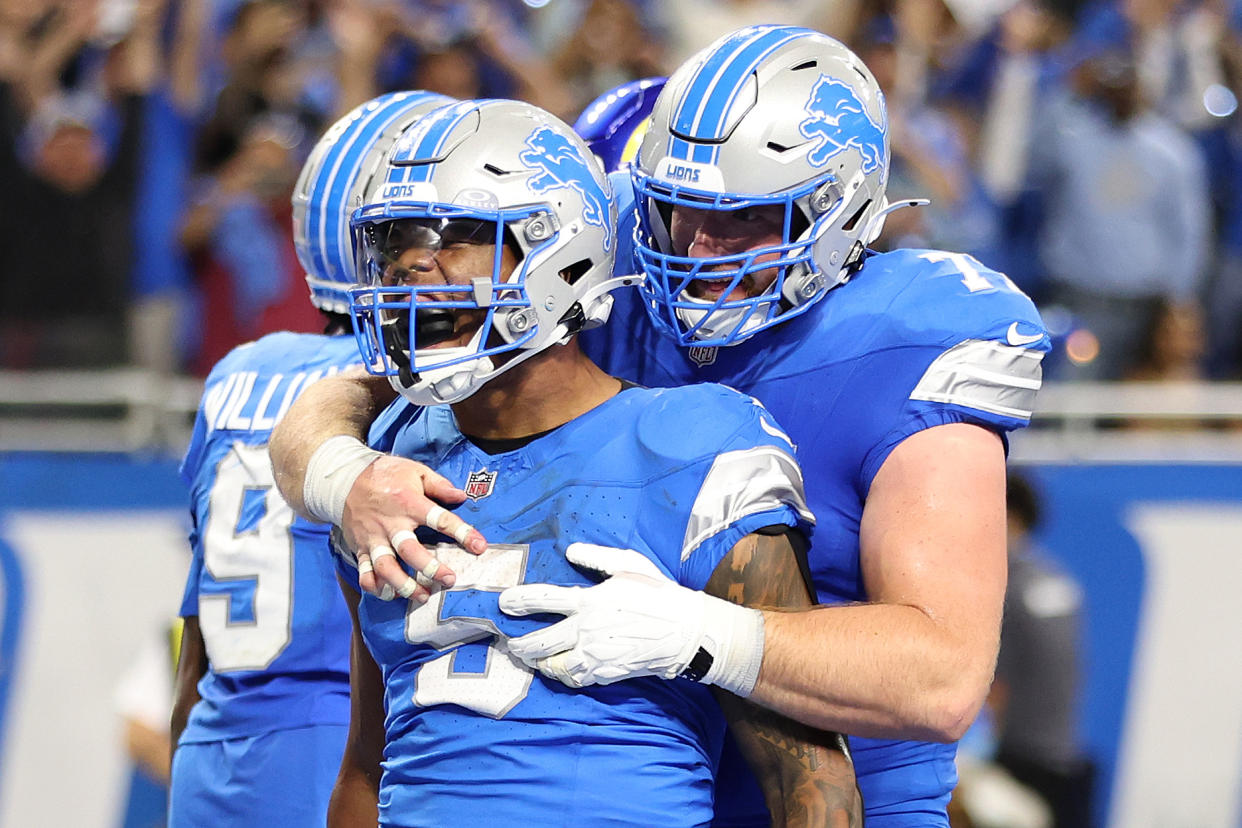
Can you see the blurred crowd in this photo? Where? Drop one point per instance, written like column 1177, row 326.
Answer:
column 1090, row 149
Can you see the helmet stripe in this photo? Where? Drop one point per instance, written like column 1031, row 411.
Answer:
column 678, row 148
column 429, row 137
column 323, row 207
column 717, row 84
column 724, row 94
column 696, row 91
column 724, row 86
column 344, row 185
column 331, row 190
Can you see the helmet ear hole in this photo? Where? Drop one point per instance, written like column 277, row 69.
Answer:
column 576, row 270
column 854, row 219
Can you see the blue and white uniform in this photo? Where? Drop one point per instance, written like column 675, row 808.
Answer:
column 915, row 339
column 680, row 475
column 263, row 745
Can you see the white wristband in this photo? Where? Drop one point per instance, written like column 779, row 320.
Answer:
column 735, row 640
column 331, row 473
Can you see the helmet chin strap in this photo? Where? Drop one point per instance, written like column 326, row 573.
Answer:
column 454, row 383
column 443, row 386
column 720, row 322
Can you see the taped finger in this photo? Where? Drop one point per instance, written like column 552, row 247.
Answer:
column 364, row 565
column 408, row 588
column 442, row 519
column 401, row 537
column 381, row 552
column 436, row 517
column 557, row 667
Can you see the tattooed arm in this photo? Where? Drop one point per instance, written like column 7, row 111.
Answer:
column 806, row 774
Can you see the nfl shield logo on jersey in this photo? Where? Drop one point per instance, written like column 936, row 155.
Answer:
column 701, row 356
column 479, row 484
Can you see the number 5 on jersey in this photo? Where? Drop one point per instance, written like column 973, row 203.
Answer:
column 494, row 685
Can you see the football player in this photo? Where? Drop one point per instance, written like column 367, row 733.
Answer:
column 484, row 247
column 758, row 188
column 262, row 692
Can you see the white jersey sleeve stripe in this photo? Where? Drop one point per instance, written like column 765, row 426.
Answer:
column 743, row 483
column 984, row 374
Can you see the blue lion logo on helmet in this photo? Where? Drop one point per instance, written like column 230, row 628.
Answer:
column 839, row 121
column 559, row 163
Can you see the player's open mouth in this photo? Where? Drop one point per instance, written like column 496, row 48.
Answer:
column 446, row 327
column 713, row 289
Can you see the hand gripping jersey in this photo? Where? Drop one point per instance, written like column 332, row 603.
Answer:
column 915, row 339
column 260, row 582
column 680, row 475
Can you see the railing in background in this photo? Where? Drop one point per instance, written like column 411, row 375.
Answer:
column 123, row 409
column 1188, row 422
column 142, row 411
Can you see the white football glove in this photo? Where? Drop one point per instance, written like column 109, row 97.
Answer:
column 638, row 622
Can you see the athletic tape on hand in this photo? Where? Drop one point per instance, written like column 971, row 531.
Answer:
column 555, row 666
column 401, row 537
column 436, row 516
column 330, row 474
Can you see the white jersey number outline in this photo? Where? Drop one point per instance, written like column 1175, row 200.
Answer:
column 263, row 553
column 504, row 680
column 970, row 267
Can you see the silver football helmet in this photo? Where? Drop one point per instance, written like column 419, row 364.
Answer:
column 332, row 182
column 511, row 180
column 767, row 115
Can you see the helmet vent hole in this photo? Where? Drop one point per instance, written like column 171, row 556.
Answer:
column 775, row 147
column 576, row 270
column 849, row 225
column 493, row 169
column 810, row 64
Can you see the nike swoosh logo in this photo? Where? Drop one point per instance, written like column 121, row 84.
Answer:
column 1014, row 338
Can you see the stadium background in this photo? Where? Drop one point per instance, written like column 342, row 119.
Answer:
column 1137, row 451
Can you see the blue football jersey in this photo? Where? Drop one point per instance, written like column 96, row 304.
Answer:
column 680, row 475
column 261, row 581
column 915, row 339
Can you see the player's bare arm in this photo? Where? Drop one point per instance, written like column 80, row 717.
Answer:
column 344, row 404
column 933, row 561
column 191, row 666
column 355, row 797
column 806, row 774
column 381, row 499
